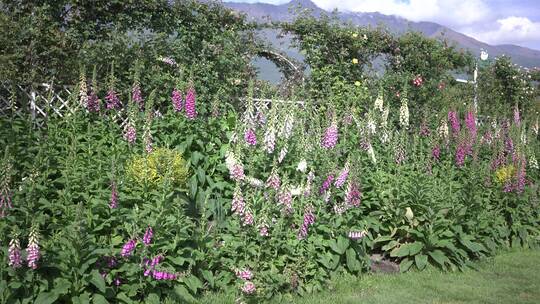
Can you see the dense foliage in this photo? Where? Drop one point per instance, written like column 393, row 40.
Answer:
column 163, row 185
column 338, row 53
column 49, row 41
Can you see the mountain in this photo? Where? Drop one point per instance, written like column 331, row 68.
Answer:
column 263, row 12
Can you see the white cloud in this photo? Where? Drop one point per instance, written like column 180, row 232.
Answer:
column 450, row 12
column 491, row 21
column 510, row 30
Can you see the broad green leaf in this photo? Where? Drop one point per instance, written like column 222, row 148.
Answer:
column 97, row 280
column 405, row 264
column 390, row 245
column 193, row 283
column 124, row 298
column 183, row 293
column 46, row 298
column 152, row 299
column 99, row 299
column 209, row 277
column 340, row 245
column 421, row 261
column 400, row 251
column 61, row 286
column 438, row 256
column 415, row 248
column 352, row 262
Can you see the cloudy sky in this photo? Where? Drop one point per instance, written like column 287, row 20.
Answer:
column 491, row 21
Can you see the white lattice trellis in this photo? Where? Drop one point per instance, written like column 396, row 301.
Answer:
column 43, row 101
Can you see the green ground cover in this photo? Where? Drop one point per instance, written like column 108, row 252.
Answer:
column 511, row 277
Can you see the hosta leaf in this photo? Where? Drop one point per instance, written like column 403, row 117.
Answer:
column 124, row 298
column 46, row 298
column 415, row 248
column 352, row 262
column 421, row 261
column 400, row 251
column 438, row 256
column 405, row 264
column 384, row 238
column 390, row 245
column 472, row 246
column 99, row 299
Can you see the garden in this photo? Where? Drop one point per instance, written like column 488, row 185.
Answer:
column 167, row 171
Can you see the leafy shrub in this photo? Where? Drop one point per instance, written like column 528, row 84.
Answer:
column 158, row 166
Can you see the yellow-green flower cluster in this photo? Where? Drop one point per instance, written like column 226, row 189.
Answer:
column 157, row 167
column 504, row 173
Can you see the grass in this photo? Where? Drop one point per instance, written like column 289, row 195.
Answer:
column 510, row 277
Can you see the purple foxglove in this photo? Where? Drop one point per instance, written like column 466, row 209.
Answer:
column 148, row 143
column 309, row 219
column 399, row 155
column 326, row 184
column 285, row 199
column 461, row 152
column 148, row 234
column 32, row 251
column 248, row 219
column 136, row 95
column 342, row 177
column 287, row 127
column 353, row 195
column 176, row 98
column 127, row 249
column 424, row 129
column 263, row 230
column 244, row 274
column 454, row 122
column 248, row 288
column 191, row 112
column 130, row 133
column 273, row 181
column 436, row 153
column 238, row 204
column 93, row 103
column 237, row 172
column 14, row 254
column 470, row 122
column 113, row 102
column 330, row 137
column 250, row 137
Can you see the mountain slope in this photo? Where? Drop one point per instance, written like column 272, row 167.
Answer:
column 262, row 12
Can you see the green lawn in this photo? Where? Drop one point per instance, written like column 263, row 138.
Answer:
column 511, row 277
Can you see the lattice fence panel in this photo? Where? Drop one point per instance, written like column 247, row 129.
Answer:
column 43, row 101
